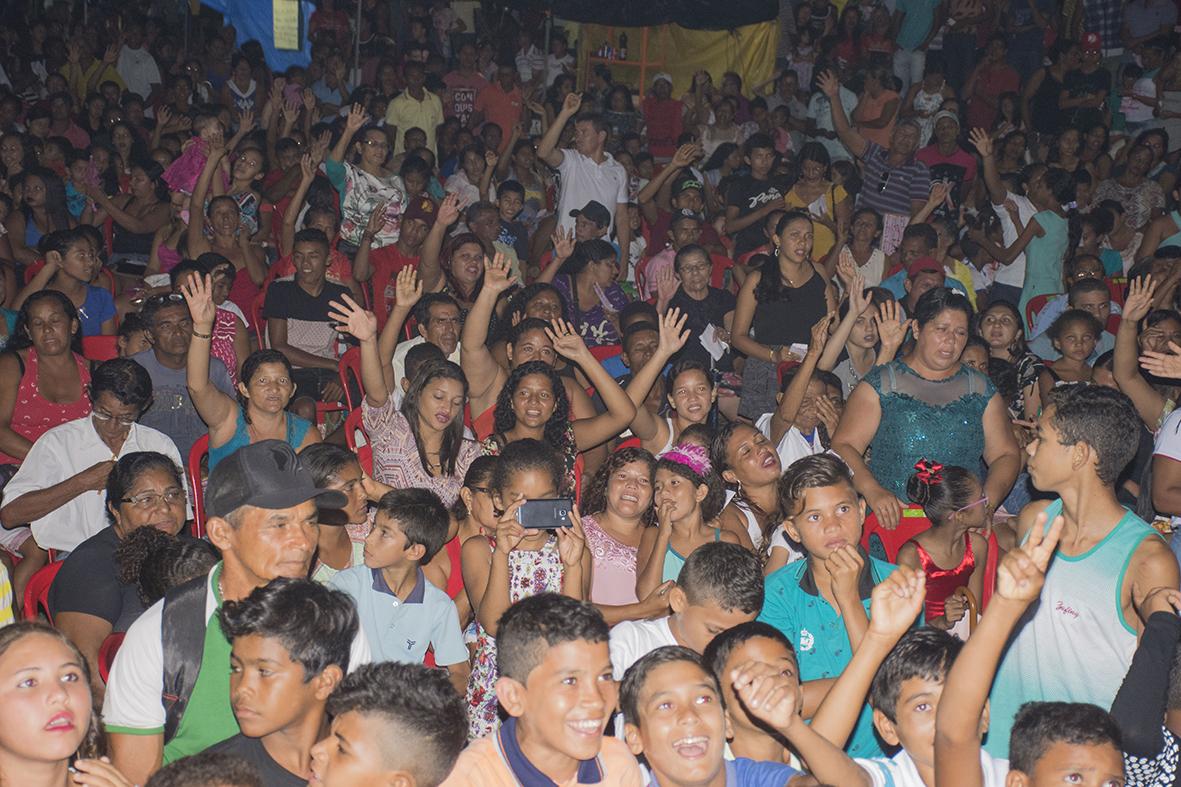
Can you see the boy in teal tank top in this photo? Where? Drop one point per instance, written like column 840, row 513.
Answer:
column 1076, row 642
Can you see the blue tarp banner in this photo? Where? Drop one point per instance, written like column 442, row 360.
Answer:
column 255, row 20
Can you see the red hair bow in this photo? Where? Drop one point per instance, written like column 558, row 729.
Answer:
column 929, row 472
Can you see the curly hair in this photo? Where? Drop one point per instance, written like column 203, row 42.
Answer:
column 594, row 494
column 556, row 432
column 516, row 306
column 155, row 562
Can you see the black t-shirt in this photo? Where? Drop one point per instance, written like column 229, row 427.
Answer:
column 710, row 310
column 308, row 325
column 252, row 751
column 748, row 195
column 88, row 582
column 1079, row 83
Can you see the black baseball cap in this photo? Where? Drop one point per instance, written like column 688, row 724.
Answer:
column 266, row 474
column 594, row 211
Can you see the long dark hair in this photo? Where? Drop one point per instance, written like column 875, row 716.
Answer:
column 771, row 287
column 556, row 432
column 251, row 365
column 21, row 338
column 55, row 199
column 594, row 495
column 516, row 306
column 461, row 240
column 586, row 252
column 453, row 436
column 717, row 456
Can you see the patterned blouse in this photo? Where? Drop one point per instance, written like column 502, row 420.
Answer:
column 395, row 456
column 360, row 195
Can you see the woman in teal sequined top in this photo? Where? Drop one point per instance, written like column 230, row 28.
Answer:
column 926, row 405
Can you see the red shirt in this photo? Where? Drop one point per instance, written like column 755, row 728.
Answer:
column 663, row 117
column 387, row 262
column 459, row 100
column 501, row 108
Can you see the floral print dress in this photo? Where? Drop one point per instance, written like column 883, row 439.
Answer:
column 530, row 572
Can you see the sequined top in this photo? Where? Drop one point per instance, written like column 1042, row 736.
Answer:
column 613, row 579
column 942, row 582
column 941, row 420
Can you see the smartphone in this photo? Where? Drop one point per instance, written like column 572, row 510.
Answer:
column 548, row 514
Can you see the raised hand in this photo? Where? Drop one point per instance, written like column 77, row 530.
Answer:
column 829, row 415
column 1167, row 365
column 353, row 319
column 819, row 336
column 407, row 288
column 357, row 117
column 981, row 141
column 320, row 146
column 567, row 341
column 846, row 270
column 572, row 103
column 571, row 540
column 449, row 210
column 666, row 285
column 896, row 601
column 376, row 221
column 309, row 100
column 858, row 299
column 768, row 694
column 685, row 155
column 491, row 158
column 939, row 191
column 673, row 334
column 563, row 240
column 1022, row 572
column 892, row 324
column 198, row 295
column 1139, row 301
column 246, row 121
column 307, row 170
column 829, row 84
column 497, row 274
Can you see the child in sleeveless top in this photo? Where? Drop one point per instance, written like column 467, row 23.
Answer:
column 1074, row 334
column 952, row 553
column 688, row 498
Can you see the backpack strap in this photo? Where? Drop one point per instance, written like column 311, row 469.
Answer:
column 182, row 634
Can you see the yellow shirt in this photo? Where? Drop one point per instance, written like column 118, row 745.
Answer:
column 406, row 112
column 6, row 618
column 78, row 78
column 482, row 764
column 822, row 237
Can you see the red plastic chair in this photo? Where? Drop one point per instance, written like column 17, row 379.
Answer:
column 198, row 452
column 1035, row 305
column 100, row 348
column 606, row 351
column 106, row 653
column 357, row 440
column 914, row 521
column 1117, row 286
column 37, row 591
column 350, row 364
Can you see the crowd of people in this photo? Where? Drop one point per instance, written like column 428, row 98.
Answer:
column 471, row 415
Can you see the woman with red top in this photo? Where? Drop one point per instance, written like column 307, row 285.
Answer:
column 43, row 383
column 848, row 49
column 991, row 78
column 952, row 553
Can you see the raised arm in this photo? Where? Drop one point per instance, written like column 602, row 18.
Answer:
column 407, row 292
column 362, row 269
column 563, row 243
column 548, row 150
column 429, row 267
column 357, row 118
column 831, row 86
column 197, row 244
column 362, row 325
column 307, row 174
column 216, row 409
column 1148, row 401
column 481, row 368
column 858, row 303
column 645, row 425
column 1019, row 581
column 789, row 405
column 992, row 179
column 590, row 432
column 648, row 196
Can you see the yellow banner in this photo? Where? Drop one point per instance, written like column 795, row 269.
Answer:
column 286, row 21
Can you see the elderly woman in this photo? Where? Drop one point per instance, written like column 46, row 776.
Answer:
column 927, row 405
column 1142, row 197
column 88, row 600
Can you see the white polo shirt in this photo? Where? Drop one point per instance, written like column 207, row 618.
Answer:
column 583, row 180
column 63, row 452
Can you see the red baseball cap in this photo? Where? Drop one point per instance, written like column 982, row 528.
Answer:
column 421, row 208
column 1092, row 42
column 923, row 265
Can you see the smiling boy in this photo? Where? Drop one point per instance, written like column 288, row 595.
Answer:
column 556, row 685
column 822, row 604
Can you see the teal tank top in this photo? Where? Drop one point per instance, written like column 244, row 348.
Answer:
column 297, row 429
column 1175, row 238
column 1043, row 259
column 674, row 560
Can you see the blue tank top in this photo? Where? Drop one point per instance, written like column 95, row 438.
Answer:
column 674, row 560
column 297, row 429
column 32, row 234
column 1175, row 238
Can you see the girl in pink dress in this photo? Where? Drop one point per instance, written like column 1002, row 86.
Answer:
column 618, row 500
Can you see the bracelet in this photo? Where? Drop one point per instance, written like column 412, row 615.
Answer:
column 202, row 335
column 771, row 355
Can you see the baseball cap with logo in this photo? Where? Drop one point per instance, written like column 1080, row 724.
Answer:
column 1092, row 42
column 687, row 184
column 421, row 208
column 923, row 265
column 266, row 474
column 594, row 211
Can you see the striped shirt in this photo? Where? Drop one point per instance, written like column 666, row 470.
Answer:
column 889, row 189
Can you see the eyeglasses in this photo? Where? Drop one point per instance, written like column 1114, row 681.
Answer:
column 149, row 500
column 483, row 489
column 165, row 299
column 982, row 501
column 885, row 181
column 122, row 420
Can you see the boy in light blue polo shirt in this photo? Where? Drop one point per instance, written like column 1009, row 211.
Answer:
column 822, row 604
column 402, row 613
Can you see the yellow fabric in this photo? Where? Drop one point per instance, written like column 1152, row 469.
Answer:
column 679, row 52
column 79, row 79
column 405, row 112
column 6, row 617
column 822, row 237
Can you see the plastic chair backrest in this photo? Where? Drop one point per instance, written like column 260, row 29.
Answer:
column 357, row 439
column 1035, row 305
column 883, row 543
column 197, row 453
column 107, row 651
column 350, row 364
column 100, row 348
column 37, row 591
column 605, row 351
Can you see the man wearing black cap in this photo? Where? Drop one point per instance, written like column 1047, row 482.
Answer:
column 673, row 190
column 169, row 690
